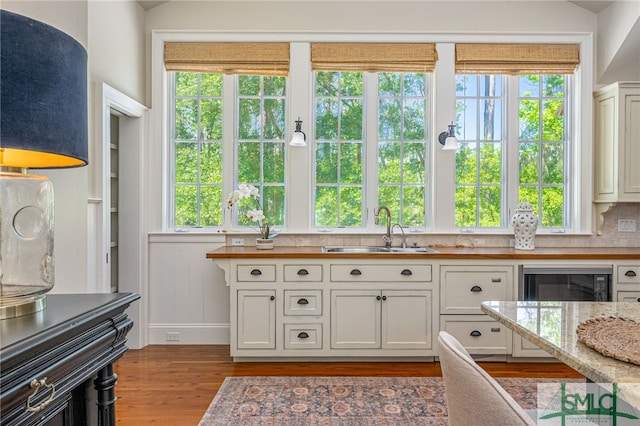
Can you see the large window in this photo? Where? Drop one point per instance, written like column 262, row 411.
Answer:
column 390, row 166
column 258, row 105
column 369, row 111
column 542, row 147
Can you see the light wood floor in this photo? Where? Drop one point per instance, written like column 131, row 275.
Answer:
column 173, row 385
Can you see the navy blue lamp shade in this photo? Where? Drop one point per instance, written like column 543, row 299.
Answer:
column 43, row 124
column 43, row 95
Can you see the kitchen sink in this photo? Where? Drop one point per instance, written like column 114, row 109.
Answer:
column 376, row 249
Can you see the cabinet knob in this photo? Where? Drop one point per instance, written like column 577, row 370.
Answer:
column 378, row 298
column 630, row 273
column 303, row 302
column 406, row 272
column 475, row 333
column 256, row 272
column 36, row 385
column 638, row 299
column 384, row 297
column 272, row 298
column 476, row 289
column 303, row 272
column 355, row 272
column 303, row 335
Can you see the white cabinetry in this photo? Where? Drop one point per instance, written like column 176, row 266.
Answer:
column 462, row 290
column 616, row 152
column 281, row 308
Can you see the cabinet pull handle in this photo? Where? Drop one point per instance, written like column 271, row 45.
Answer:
column 256, row 272
column 496, row 280
column 476, row 289
column 406, row 272
column 36, row 385
column 378, row 298
column 475, row 333
column 355, row 272
column 303, row 272
column 630, row 274
column 272, row 298
column 303, row 302
column 303, row 335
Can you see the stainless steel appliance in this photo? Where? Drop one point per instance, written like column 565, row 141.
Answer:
column 565, row 283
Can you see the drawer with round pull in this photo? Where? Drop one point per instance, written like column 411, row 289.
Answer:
column 301, row 273
column 628, row 274
column 479, row 334
column 303, row 302
column 303, row 336
column 463, row 290
column 381, row 273
column 252, row 273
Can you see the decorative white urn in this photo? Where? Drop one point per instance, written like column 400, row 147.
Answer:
column 525, row 224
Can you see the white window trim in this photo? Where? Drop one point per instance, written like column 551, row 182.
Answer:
column 300, row 95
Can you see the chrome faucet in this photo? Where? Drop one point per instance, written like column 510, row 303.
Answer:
column 404, row 237
column 386, row 237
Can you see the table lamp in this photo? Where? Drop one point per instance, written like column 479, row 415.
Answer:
column 43, row 124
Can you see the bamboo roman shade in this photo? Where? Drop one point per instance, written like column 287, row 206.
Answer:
column 373, row 57
column 480, row 58
column 228, row 58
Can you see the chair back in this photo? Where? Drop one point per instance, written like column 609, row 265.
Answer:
column 473, row 396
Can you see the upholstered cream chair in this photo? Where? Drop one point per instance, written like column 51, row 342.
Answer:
column 473, row 397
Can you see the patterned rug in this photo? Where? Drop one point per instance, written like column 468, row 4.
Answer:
column 343, row 400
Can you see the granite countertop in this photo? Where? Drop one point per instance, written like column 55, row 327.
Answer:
column 552, row 327
column 315, row 252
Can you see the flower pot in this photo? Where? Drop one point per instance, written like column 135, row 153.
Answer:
column 264, row 244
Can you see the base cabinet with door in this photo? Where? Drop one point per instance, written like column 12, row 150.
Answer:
column 289, row 308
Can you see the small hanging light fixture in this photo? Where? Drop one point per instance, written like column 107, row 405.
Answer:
column 299, row 137
column 448, row 139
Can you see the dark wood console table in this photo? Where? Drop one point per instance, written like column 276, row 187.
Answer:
column 56, row 366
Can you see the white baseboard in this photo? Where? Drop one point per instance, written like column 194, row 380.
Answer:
column 189, row 334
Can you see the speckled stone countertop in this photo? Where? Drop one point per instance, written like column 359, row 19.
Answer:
column 552, row 327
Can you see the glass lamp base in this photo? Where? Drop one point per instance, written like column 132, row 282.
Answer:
column 16, row 307
column 26, row 242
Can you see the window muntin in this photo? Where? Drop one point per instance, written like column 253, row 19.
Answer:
column 479, row 176
column 197, row 149
column 260, row 142
column 543, row 147
column 402, row 145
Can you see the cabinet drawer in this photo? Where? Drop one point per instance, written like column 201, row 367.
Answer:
column 305, row 302
column 250, row 273
column 462, row 292
column 311, row 273
column 479, row 334
column 629, row 274
column 629, row 296
column 303, row 336
column 377, row 273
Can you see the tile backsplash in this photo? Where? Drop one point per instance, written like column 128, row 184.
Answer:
column 610, row 236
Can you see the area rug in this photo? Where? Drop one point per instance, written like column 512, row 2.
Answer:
column 344, row 400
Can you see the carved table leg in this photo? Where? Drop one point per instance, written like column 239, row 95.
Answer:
column 105, row 384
